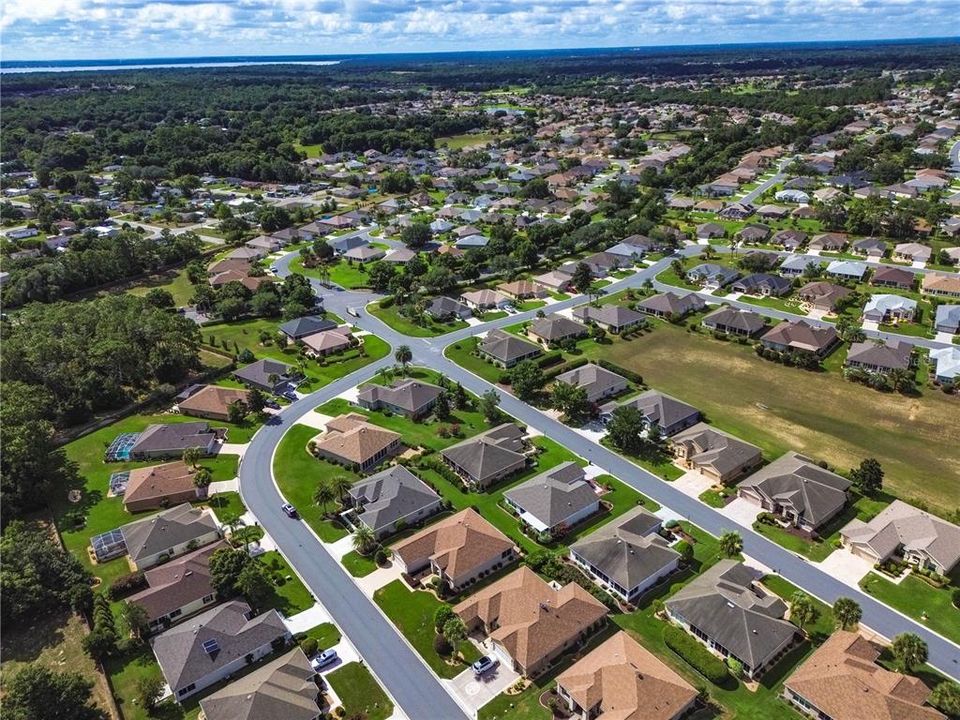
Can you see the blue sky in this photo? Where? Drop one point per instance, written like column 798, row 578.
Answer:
column 88, row 29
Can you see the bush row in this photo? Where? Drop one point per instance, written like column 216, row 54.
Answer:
column 696, row 655
column 630, row 375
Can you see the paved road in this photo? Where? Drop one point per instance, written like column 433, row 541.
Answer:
column 955, row 157
column 406, row 678
column 762, row 188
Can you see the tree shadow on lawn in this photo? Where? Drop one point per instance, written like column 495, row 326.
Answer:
column 24, row 642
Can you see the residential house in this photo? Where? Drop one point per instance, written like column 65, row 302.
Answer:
column 615, row 318
column 179, row 588
column 446, row 308
column 215, row 645
column 392, row 499
column 329, row 342
column 881, row 308
column 158, row 538
column 801, row 336
column 789, row 239
column 523, row 290
column 667, row 413
column 632, row 248
column 459, row 549
column 599, row 382
column 842, row 680
column 907, row 533
column 941, row 285
column 710, row 276
column 626, row 557
column 796, row 265
column 797, row 490
column 410, row 398
column 756, row 233
column 734, row 321
column 400, row 256
column 169, row 441
column 488, row 457
column 671, row 306
column 555, row 329
column 717, row 455
column 485, row 300
column 529, row 622
column 706, row 231
column 160, row 486
column 847, row 269
column 302, row 327
column 763, row 285
column 364, row 253
column 880, row 357
column 947, row 319
column 555, row 500
column 352, row 441
column 730, row 612
column 912, row 252
column 822, row 295
column 555, row 280
column 212, row 401
column 946, row 363
column 622, row 680
column 266, row 374
column 282, row 689
column 870, row 247
column 506, row 349
column 893, row 277
column 831, row 242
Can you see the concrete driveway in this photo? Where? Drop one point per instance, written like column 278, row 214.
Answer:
column 741, row 511
column 472, row 694
column 845, row 567
column 693, row 483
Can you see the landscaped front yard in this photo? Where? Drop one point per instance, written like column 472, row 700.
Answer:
column 412, row 611
column 914, row 598
column 360, row 693
column 430, row 328
column 290, row 596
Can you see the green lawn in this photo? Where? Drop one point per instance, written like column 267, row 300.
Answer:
column 779, row 408
column 398, row 322
column 290, row 594
column 358, row 565
column 913, row 597
column 360, row 693
column 297, row 474
column 125, row 672
column 469, row 140
column 662, row 466
column 461, row 352
column 326, row 635
column 823, row 624
column 173, row 281
column 412, row 612
column 713, row 498
column 227, row 505
column 346, row 274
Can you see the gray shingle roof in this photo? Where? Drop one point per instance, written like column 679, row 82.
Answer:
column 594, row 379
column 303, row 326
column 708, row 447
column 259, row 372
column 557, row 327
column 489, row 453
column 672, row 303
column 411, row 395
column 554, row 495
column 173, row 437
column 664, row 410
column 744, row 320
column 167, row 528
column 391, row 495
column 615, row 315
column 506, row 347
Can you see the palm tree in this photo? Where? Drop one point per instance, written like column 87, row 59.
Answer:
column 731, row 544
column 341, row 486
column 910, row 650
column 202, row 478
column 364, row 540
column 847, row 612
column 324, row 495
column 455, row 633
column 403, row 355
column 802, row 609
column 191, row 457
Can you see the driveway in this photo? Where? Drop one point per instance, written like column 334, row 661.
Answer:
column 741, row 511
column 369, row 584
column 473, row 694
column 846, row 567
column 693, row 483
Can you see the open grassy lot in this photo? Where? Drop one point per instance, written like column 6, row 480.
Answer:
column 173, row 281
column 53, row 641
column 820, row 414
column 914, row 597
column 343, row 273
column 227, row 505
column 458, row 142
column 412, row 612
column 398, row 322
column 290, row 596
column 823, row 624
column 360, row 693
column 461, row 353
column 298, row 473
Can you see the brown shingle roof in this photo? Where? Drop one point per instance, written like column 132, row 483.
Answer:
column 351, row 437
column 158, row 481
column 212, row 399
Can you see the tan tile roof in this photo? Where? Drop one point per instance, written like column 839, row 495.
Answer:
column 351, row 437
column 328, row 340
column 941, row 283
column 844, row 681
column 213, row 399
column 533, row 619
column 158, row 481
column 457, row 544
column 628, row 681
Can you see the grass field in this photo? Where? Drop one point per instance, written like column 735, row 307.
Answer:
column 914, row 597
column 398, row 322
column 820, row 414
column 462, row 354
column 173, row 281
column 360, row 693
column 326, row 635
column 412, row 612
column 458, row 142
column 343, row 273
column 290, row 594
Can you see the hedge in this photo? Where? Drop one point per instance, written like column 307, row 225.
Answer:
column 127, row 585
column 695, row 654
column 551, row 358
column 572, row 365
column 622, row 371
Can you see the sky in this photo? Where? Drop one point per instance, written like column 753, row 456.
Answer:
column 108, row 29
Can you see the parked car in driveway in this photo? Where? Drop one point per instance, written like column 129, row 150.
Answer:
column 484, row 665
column 325, row 658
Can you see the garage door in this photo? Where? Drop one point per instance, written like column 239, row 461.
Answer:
column 503, row 655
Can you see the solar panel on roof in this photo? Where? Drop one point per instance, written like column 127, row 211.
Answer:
column 210, row 646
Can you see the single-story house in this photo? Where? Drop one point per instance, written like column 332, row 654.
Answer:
column 329, row 342
column 883, row 308
column 554, row 500
column 763, row 284
column 711, row 276
column 941, row 285
column 706, row 231
column 947, row 363
column 870, row 247
column 622, row 680
column 734, row 321
column 266, row 374
column 822, row 295
column 488, row 457
column 730, row 612
column 555, row 280
column 170, row 440
column 486, row 299
column 614, row 318
column 912, row 252
column 798, row 490
column 842, row 680
column 721, row 457
column 282, row 689
column 847, row 269
column 410, row 398
column 671, row 305
column 506, row 349
column 522, row 289
column 179, row 588
column 160, row 486
column 212, row 402
column 556, row 328
column 947, row 319
column 459, row 549
column 789, row 239
column 445, row 308
column 831, row 242
column 301, row 327
column 391, row 499
column 158, row 538
column 893, row 277
column 796, row 265
column 626, row 557
column 352, row 441
column 880, row 357
column 599, row 382
column 665, row 412
column 530, row 622
column 216, row 644
column 801, row 336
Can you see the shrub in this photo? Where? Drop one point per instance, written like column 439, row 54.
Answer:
column 441, row 646
column 381, row 556
column 695, row 654
column 126, row 585
column 630, row 375
column 685, row 549
column 309, row 646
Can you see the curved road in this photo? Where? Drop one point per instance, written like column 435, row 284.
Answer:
column 405, row 676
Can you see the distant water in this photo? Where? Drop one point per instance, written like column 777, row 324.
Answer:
column 472, row 56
